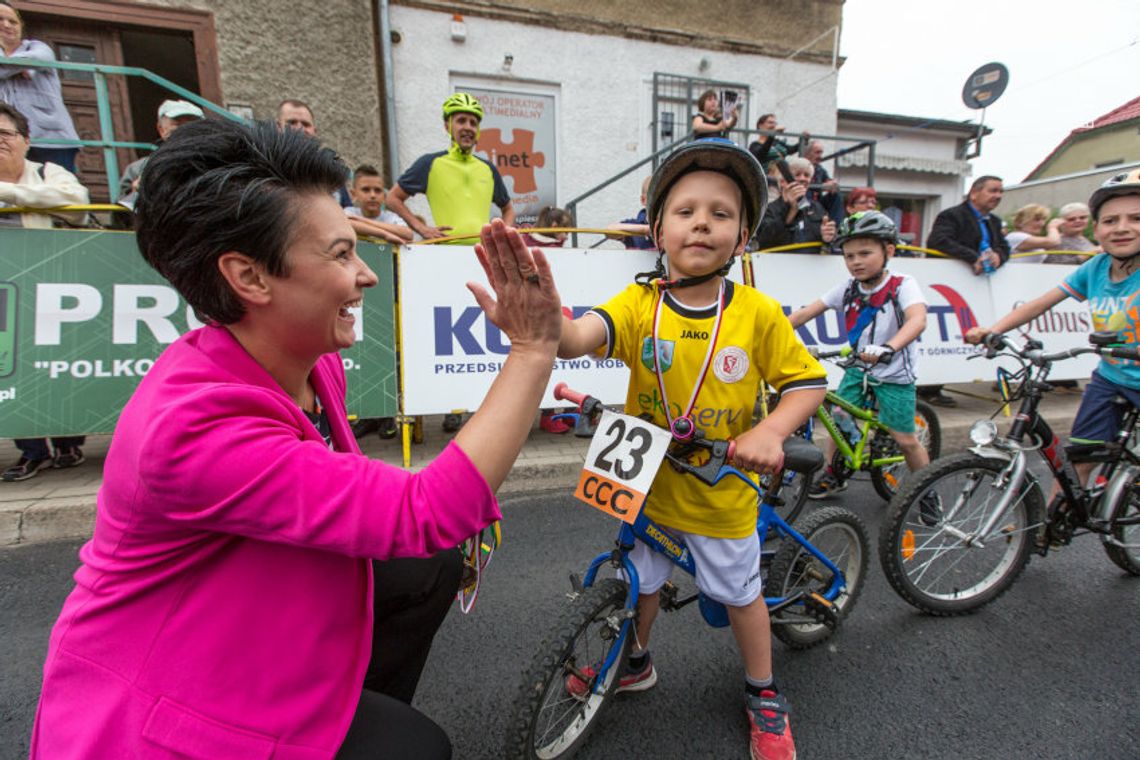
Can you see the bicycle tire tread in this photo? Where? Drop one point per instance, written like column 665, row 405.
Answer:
column 896, row 513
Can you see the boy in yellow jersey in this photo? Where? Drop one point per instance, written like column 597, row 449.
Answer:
column 698, row 347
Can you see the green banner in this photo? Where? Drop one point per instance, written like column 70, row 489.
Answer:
column 83, row 317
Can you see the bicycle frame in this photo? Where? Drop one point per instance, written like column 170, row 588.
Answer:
column 855, row 457
column 1029, row 424
column 657, row 538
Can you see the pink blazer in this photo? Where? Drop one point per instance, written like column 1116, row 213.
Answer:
column 223, row 608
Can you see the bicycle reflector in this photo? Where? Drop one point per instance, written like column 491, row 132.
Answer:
column 907, row 548
column 983, row 432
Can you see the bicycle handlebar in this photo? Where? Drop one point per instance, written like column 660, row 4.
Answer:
column 1032, row 350
column 850, row 357
column 563, row 392
column 799, row 455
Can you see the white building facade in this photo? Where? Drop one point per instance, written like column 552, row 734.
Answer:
column 600, row 89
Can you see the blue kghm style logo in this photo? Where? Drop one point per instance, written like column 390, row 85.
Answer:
column 664, row 353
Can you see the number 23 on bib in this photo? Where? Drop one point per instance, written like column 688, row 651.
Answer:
column 623, row 459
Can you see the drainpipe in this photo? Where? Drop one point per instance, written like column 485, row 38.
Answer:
column 388, row 91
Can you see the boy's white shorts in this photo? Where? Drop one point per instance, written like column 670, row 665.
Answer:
column 728, row 569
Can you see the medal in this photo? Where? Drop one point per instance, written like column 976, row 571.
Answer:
column 683, row 426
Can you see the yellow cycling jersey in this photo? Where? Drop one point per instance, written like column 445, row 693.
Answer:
column 755, row 344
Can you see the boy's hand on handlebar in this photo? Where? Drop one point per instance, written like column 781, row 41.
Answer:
column 876, row 354
column 759, row 451
column 976, row 335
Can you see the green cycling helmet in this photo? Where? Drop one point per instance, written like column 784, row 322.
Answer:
column 461, row 102
column 868, row 224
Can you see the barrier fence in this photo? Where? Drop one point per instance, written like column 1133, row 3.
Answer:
column 83, row 317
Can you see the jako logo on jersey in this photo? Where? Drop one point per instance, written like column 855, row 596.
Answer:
column 694, row 334
column 664, row 353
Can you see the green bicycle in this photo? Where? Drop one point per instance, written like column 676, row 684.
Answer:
column 861, row 441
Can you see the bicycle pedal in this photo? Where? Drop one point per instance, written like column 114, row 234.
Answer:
column 822, row 610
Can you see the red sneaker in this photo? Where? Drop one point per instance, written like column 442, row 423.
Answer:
column 771, row 733
column 547, row 422
column 643, row 679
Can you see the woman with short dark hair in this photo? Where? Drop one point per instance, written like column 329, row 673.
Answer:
column 224, row 606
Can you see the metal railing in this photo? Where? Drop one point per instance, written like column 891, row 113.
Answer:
column 108, row 143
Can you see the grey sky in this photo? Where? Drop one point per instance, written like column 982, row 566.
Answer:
column 1069, row 63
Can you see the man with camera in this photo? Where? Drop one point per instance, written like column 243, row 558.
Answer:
column 793, row 217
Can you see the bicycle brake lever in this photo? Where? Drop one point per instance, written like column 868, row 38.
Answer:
column 708, row 472
column 587, row 423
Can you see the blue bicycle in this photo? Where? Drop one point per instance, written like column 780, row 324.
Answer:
column 813, row 577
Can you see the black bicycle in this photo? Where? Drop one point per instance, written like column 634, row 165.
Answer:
column 962, row 548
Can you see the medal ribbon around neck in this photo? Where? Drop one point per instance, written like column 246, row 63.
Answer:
column 682, row 427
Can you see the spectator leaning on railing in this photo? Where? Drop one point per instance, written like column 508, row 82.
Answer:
column 27, row 183
column 971, row 232
column 1031, row 234
column 1074, row 220
column 30, row 184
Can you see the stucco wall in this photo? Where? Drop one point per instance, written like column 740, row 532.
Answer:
column 270, row 50
column 772, row 27
column 1088, row 151
column 603, row 86
column 1057, row 191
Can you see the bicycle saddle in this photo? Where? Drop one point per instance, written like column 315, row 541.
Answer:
column 801, row 456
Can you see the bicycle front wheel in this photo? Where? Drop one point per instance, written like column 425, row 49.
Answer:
column 558, row 703
column 1125, row 553
column 840, row 536
column 928, row 545
column 927, row 429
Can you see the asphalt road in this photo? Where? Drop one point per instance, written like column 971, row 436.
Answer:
column 1049, row 670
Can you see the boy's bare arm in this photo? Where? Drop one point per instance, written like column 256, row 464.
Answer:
column 804, row 313
column 393, row 233
column 914, row 322
column 1027, row 312
column 580, row 336
column 761, row 449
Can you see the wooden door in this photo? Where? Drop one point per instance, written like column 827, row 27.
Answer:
column 79, row 42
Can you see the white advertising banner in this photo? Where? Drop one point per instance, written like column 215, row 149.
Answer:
column 450, row 353
column 956, row 298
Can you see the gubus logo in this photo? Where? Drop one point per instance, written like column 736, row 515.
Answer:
column 831, row 330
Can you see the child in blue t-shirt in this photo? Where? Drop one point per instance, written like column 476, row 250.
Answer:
column 1110, row 282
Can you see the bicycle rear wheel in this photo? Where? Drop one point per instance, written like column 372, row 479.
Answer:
column 923, row 556
column 547, row 719
column 927, row 428
column 1126, row 557
column 840, row 536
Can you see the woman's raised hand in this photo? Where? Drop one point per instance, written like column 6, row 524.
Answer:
column 525, row 305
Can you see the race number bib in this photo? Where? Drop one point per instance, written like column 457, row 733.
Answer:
column 620, row 466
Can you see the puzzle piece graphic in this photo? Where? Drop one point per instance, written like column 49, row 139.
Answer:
column 515, row 159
